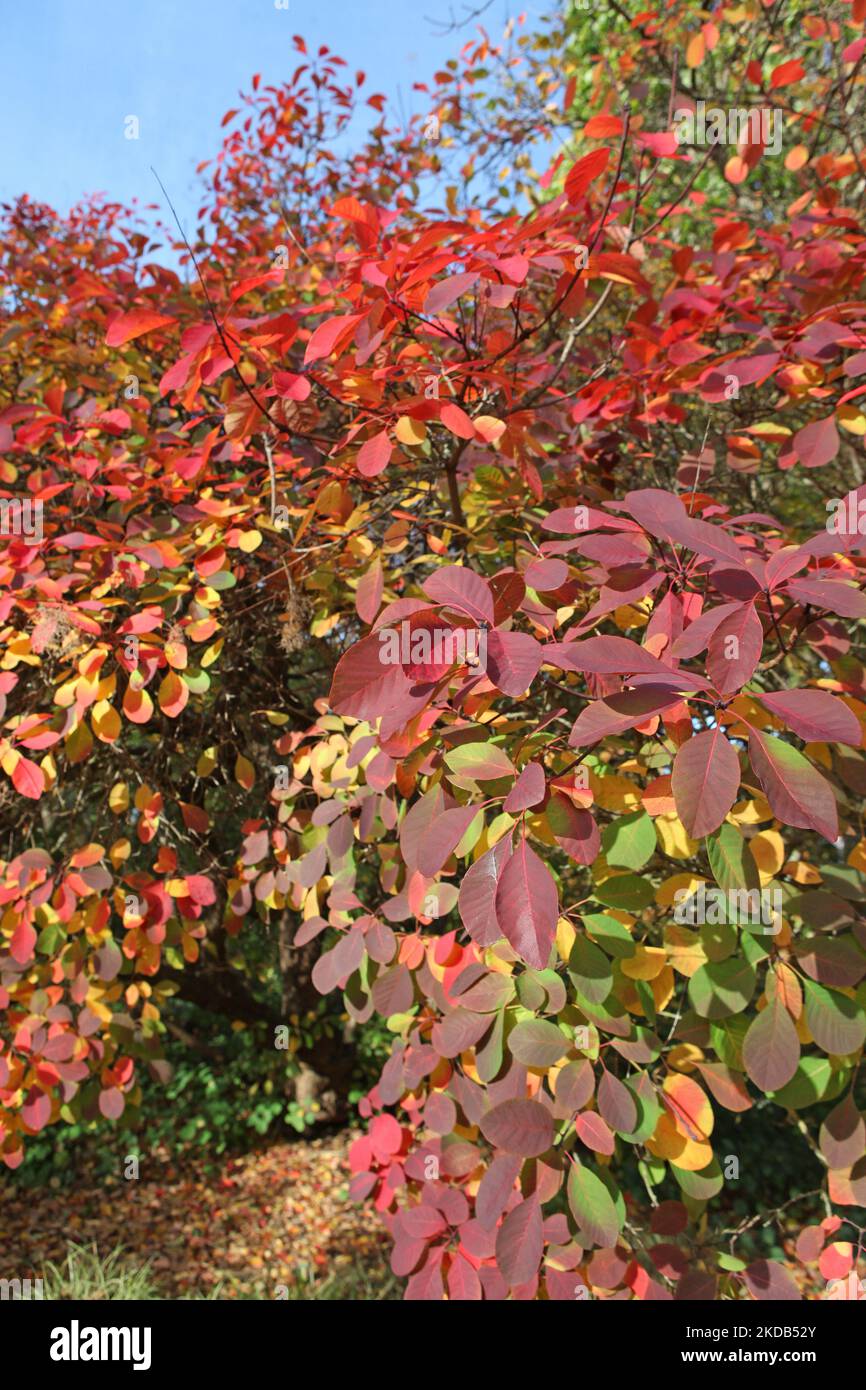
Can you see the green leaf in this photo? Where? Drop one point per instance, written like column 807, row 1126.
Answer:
column 836, row 1022
column 590, row 970
column 625, row 891
column 703, row 1185
column 722, row 987
column 480, row 761
column 610, row 934
column 731, row 861
column 537, row 1043
column 630, row 841
column 593, row 1207
column 815, row 1079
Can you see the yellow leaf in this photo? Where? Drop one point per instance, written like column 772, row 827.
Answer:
column 409, row 431
column 851, row 419
column 79, row 744
column 206, row 763
column 118, row 798
column 669, row 1143
column 614, row 793
column 645, row 964
column 673, row 837
column 803, row 872
column 245, row 773
column 210, row 654
column 857, row 857
column 488, row 428
column 768, row 849
column 106, row 721
column 684, row 1057
column 752, row 812
column 250, row 541
column 684, row 950
column 565, row 938
column 119, row 852
column 666, row 893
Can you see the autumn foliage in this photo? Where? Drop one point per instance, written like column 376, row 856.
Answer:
column 601, row 419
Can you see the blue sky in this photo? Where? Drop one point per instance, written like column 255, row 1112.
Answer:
column 75, row 69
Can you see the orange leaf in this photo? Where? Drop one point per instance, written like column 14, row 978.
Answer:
column 603, row 127
column 173, row 695
column 695, row 51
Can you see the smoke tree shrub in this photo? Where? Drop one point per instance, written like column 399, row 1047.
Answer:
column 561, row 501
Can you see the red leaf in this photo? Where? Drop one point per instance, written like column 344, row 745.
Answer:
column 798, row 795
column 844, row 599
column 527, row 791
column 462, row 589
column 374, row 455
column 523, row 1127
column 818, row 443
column 447, row 291
column 705, row 781
column 36, row 1110
column 111, row 1103
column 786, row 73
column 583, row 171
column 133, row 324
column 661, row 143
column 815, row 715
column 441, row 838
column 771, row 1048
column 520, row 1243
column 364, row 686
column 368, row 595
column 324, row 338
column 594, row 1133
column 463, row 1282
column 496, row 1188
column 765, row 1279
column 28, row 778
column 600, row 127
column 513, row 661
column 609, row 656
column 735, row 649
column 527, row 906
column 477, row 899
column 457, row 421
column 618, row 713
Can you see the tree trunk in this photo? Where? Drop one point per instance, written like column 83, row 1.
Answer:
column 326, row 1068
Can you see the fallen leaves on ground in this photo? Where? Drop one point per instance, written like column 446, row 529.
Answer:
column 278, row 1216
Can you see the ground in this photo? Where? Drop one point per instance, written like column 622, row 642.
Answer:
column 276, row 1217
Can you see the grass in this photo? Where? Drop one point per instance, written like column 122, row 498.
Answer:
column 88, row 1276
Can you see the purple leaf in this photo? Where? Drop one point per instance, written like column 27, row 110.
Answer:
column 815, row 715
column 705, row 781
column 527, row 906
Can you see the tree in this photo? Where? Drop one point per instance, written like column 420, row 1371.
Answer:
column 461, row 614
